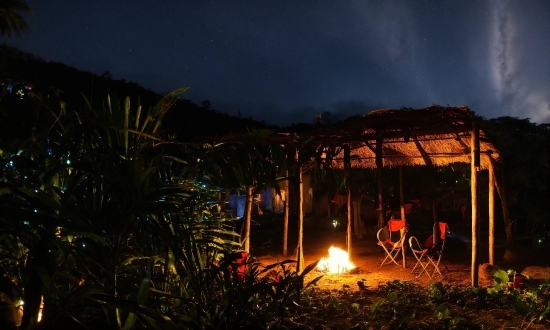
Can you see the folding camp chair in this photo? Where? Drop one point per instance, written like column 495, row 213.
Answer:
column 430, row 253
column 391, row 238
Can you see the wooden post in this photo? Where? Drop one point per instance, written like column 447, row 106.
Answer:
column 379, row 167
column 491, row 214
column 401, row 193
column 285, row 218
column 248, row 217
column 434, row 210
column 347, row 165
column 329, row 207
column 403, row 216
column 474, row 149
column 348, row 228
column 300, row 257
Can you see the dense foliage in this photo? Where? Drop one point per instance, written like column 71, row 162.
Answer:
column 526, row 158
column 106, row 223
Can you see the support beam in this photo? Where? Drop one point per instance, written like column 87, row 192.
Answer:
column 401, row 193
column 370, row 147
column 285, row 216
column 300, row 256
column 402, row 202
column 379, row 167
column 474, row 171
column 347, row 165
column 491, row 214
column 348, row 228
column 423, row 152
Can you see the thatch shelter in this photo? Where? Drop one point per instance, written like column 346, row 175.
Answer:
column 433, row 136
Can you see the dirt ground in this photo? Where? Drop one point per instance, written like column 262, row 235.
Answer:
column 267, row 240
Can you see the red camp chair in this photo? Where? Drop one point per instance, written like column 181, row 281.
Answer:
column 430, row 253
column 391, row 238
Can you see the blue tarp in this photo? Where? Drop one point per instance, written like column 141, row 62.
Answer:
column 236, row 204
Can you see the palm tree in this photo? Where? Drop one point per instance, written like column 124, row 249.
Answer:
column 250, row 167
column 10, row 20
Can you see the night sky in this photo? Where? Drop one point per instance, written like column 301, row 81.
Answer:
column 284, row 61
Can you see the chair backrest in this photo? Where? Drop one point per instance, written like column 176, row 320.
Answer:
column 396, row 224
column 391, row 228
column 440, row 230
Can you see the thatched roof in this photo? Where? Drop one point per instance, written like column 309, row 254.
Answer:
column 436, row 136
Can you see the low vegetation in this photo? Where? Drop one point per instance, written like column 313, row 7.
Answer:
column 403, row 305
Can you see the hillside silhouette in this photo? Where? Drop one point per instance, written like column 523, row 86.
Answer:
column 28, row 82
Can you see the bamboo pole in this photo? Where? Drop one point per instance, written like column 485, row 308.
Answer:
column 491, row 215
column 347, row 166
column 285, row 216
column 402, row 202
column 348, row 229
column 379, row 167
column 401, row 193
column 474, row 148
column 300, row 257
column 329, row 207
column 434, row 210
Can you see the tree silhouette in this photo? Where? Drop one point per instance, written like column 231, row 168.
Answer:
column 10, row 20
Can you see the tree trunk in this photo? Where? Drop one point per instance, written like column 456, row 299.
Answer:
column 247, row 218
column 285, row 219
column 36, row 258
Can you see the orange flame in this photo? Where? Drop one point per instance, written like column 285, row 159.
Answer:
column 337, row 262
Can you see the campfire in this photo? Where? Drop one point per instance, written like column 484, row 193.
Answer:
column 336, row 263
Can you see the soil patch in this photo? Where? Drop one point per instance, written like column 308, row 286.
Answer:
column 367, row 256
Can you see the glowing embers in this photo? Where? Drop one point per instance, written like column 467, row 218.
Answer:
column 336, row 263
